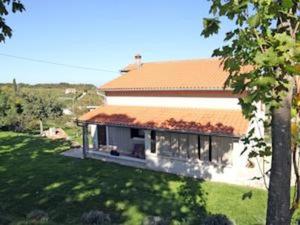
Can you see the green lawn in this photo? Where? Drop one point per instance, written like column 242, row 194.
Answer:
column 33, row 175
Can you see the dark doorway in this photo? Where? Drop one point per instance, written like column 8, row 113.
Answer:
column 101, row 134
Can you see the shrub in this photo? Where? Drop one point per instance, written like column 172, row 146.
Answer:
column 26, row 222
column 155, row 220
column 38, row 216
column 4, row 220
column 181, row 222
column 95, row 218
column 217, row 219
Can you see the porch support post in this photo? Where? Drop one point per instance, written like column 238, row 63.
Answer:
column 85, row 140
column 107, row 136
column 94, row 134
column 147, row 143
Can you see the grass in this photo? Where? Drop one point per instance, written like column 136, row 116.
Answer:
column 33, row 175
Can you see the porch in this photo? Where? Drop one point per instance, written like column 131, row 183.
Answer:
column 106, row 157
column 146, row 146
column 188, row 142
column 117, row 142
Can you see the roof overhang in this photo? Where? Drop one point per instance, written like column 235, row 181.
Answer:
column 229, row 123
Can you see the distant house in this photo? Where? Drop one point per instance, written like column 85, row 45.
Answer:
column 70, row 91
column 174, row 117
column 67, row 112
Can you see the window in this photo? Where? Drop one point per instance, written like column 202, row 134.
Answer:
column 221, row 149
column 137, row 133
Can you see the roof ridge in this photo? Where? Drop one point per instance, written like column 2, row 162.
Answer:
column 177, row 60
column 185, row 60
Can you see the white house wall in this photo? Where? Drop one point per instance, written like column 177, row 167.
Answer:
column 184, row 102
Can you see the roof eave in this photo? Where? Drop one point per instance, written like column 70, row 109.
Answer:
column 234, row 135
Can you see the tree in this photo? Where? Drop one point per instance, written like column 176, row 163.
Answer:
column 5, row 5
column 15, row 86
column 10, row 109
column 41, row 107
column 264, row 40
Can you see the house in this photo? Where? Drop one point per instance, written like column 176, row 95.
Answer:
column 67, row 112
column 70, row 91
column 174, row 117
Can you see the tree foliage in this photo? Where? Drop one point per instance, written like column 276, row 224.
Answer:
column 260, row 58
column 22, row 110
column 10, row 109
column 41, row 106
column 7, row 6
column 262, row 54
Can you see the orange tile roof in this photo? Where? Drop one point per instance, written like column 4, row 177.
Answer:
column 201, row 74
column 226, row 122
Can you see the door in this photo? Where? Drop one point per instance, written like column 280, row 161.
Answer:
column 101, row 134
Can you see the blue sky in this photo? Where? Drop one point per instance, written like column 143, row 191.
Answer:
column 102, row 34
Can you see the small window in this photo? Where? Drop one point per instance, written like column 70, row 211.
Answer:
column 137, row 133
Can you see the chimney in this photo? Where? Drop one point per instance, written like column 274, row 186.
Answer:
column 138, row 60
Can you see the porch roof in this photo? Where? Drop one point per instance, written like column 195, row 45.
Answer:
column 206, row 121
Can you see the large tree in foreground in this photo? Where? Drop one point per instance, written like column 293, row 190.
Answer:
column 264, row 38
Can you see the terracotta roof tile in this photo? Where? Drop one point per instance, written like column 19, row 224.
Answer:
column 226, row 122
column 201, row 74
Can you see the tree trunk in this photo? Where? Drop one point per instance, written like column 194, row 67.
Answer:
column 278, row 212
column 41, row 127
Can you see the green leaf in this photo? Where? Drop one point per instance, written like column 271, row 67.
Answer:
column 298, row 36
column 297, row 68
column 267, row 58
column 17, row 6
column 287, row 4
column 264, row 81
column 210, row 26
column 254, row 20
column 252, row 154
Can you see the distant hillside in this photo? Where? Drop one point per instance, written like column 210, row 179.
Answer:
column 52, row 85
column 76, row 97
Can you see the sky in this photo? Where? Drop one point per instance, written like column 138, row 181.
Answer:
column 101, row 34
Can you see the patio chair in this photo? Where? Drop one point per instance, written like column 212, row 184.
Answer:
column 138, row 151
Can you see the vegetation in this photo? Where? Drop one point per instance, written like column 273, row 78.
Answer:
column 33, row 175
column 20, row 109
column 5, row 7
column 95, row 217
column 40, row 107
column 262, row 56
column 23, row 107
column 218, row 219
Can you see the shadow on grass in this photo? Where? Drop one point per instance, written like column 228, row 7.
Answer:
column 34, row 176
